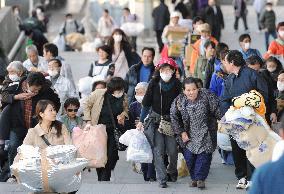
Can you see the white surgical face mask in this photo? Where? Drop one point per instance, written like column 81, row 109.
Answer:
column 247, row 45
column 118, row 95
column 52, row 73
column 281, row 33
column 117, row 38
column 271, row 69
column 14, row 77
column 166, row 77
column 139, row 98
column 280, row 86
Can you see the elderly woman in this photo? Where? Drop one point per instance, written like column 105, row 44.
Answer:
column 108, row 107
column 193, row 116
column 148, row 170
column 34, row 62
column 161, row 92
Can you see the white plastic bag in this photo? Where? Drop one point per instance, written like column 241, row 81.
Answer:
column 59, row 41
column 132, row 28
column 126, row 137
column 139, row 149
column 223, row 141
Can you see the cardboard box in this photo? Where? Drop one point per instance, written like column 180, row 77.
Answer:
column 176, row 33
column 174, row 49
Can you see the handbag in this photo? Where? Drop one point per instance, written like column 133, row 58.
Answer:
column 117, row 132
column 164, row 126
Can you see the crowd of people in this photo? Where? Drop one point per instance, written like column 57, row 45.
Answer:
column 176, row 102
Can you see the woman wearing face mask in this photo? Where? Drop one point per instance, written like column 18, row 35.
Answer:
column 194, row 117
column 276, row 47
column 273, row 66
column 122, row 54
column 102, row 107
column 198, row 46
column 161, row 92
column 280, row 94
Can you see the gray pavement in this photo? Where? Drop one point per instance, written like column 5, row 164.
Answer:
column 221, row 178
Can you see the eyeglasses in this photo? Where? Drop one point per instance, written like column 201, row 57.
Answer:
column 72, row 110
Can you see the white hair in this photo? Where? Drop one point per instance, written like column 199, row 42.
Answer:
column 17, row 65
column 141, row 85
column 31, row 48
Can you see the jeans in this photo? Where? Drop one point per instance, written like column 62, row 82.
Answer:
column 267, row 35
column 244, row 18
column 15, row 141
column 243, row 168
column 165, row 144
column 198, row 164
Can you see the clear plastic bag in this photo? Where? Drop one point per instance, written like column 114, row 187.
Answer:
column 139, row 149
column 126, row 137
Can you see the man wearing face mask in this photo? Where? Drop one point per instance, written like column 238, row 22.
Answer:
column 276, row 47
column 62, row 85
column 21, row 108
column 141, row 72
column 245, row 43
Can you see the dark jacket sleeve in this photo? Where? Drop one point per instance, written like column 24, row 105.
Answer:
column 261, row 86
column 221, row 18
column 225, row 98
column 90, row 74
column 208, row 74
column 8, row 94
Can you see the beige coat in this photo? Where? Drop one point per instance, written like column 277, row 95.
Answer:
column 34, row 137
column 93, row 106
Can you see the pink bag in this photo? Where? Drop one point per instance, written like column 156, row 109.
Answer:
column 92, row 144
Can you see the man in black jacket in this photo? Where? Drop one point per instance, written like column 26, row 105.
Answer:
column 161, row 16
column 214, row 17
column 242, row 79
column 21, row 109
column 141, row 72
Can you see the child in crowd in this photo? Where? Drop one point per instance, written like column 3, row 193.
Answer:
column 70, row 119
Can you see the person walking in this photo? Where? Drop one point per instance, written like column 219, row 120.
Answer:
column 242, row 79
column 267, row 21
column 161, row 17
column 161, row 92
column 240, row 12
column 108, row 107
column 194, row 117
column 214, row 17
column 106, row 25
column 259, row 6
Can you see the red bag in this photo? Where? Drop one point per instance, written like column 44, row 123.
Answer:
column 164, row 53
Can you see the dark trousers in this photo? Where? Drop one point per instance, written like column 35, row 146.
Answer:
column 198, row 164
column 15, row 141
column 258, row 23
column 243, row 168
column 133, row 43
column 267, row 35
column 159, row 39
column 148, row 171
column 104, row 174
column 244, row 18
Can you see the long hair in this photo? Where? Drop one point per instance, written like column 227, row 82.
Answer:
column 40, row 108
column 124, row 42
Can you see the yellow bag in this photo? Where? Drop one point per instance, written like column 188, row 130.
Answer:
column 181, row 166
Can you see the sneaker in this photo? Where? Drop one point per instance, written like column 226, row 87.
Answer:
column 241, row 184
column 201, row 184
column 193, row 184
column 248, row 185
column 163, row 185
column 223, row 161
column 12, row 180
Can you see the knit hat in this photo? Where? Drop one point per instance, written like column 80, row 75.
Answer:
column 168, row 61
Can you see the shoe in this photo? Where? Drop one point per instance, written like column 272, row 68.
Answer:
column 172, row 177
column 163, row 185
column 201, row 184
column 193, row 184
column 223, row 161
column 248, row 185
column 241, row 184
column 12, row 180
column 152, row 180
